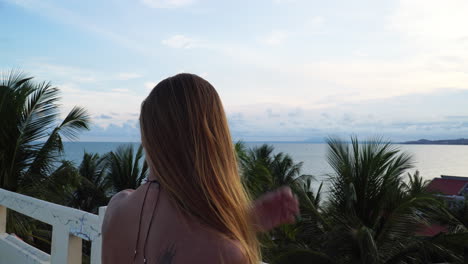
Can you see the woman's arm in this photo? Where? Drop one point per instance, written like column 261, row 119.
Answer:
column 274, row 209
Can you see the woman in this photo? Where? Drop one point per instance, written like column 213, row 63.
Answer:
column 193, row 209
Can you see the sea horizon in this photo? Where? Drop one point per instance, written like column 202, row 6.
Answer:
column 285, row 141
column 430, row 160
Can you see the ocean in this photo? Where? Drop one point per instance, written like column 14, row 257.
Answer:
column 431, row 160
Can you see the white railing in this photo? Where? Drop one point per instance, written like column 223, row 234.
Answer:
column 69, row 227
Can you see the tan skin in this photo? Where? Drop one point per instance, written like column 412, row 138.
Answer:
column 175, row 238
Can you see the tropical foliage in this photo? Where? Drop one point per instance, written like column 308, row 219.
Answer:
column 372, row 212
column 31, row 145
column 93, row 190
column 127, row 169
column 100, row 177
column 263, row 170
column 31, row 134
column 31, row 149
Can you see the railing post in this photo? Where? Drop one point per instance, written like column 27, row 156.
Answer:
column 75, row 250
column 59, row 248
column 3, row 219
column 66, row 248
column 96, row 244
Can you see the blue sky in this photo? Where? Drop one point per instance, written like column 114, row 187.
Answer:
column 286, row 70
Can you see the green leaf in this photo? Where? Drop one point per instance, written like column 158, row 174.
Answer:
column 302, row 256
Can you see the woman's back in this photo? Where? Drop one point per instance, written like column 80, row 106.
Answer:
column 172, row 237
column 202, row 214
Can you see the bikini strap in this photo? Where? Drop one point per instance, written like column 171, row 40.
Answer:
column 139, row 221
column 151, row 222
column 153, row 181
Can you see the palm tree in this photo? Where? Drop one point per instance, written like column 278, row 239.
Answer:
column 254, row 165
column 373, row 215
column 59, row 186
column 31, row 134
column 263, row 171
column 286, row 172
column 126, row 169
column 370, row 215
column 306, row 189
column 416, row 184
column 31, row 138
column 241, row 151
column 94, row 187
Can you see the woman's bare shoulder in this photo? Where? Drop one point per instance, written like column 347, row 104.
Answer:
column 119, row 197
column 232, row 252
column 115, row 203
column 220, row 250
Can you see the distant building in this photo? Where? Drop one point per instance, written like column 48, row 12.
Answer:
column 452, row 188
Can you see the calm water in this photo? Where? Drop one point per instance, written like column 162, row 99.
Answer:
column 431, row 160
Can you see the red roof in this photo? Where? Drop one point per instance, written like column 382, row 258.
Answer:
column 447, row 186
column 432, row 230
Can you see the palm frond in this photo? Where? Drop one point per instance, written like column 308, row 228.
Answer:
column 76, row 121
column 40, row 113
column 124, row 171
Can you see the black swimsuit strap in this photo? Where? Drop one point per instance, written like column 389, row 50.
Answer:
column 155, row 181
column 151, row 221
column 150, row 224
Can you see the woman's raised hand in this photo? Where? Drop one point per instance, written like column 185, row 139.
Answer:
column 275, row 208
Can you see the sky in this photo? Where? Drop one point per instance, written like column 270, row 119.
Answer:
column 286, row 70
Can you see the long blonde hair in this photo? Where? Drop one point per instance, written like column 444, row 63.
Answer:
column 189, row 148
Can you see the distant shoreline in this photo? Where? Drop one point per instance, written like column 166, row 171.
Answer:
column 460, row 141
column 256, row 142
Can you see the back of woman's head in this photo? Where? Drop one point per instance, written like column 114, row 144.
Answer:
column 189, row 149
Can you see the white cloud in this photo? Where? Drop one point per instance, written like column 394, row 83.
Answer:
column 126, row 131
column 435, row 32
column 150, row 85
column 404, row 117
column 425, row 49
column 69, row 88
column 432, row 19
column 127, row 76
column 179, row 42
column 310, row 26
column 275, row 38
column 167, row 3
column 284, row 1
column 316, row 21
column 42, row 69
column 85, row 79
column 120, row 90
column 421, row 61
column 434, row 29
column 360, row 53
column 72, row 73
column 117, row 100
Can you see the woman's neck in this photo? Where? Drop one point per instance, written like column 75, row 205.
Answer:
column 152, row 177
